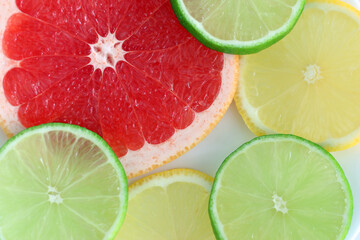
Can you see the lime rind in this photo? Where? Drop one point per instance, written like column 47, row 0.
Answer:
column 234, row 46
column 93, row 137
column 217, row 226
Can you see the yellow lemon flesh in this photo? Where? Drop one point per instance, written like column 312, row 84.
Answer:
column 308, row 84
column 169, row 205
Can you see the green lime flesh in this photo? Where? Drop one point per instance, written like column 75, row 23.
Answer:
column 238, row 26
column 60, row 181
column 280, row 187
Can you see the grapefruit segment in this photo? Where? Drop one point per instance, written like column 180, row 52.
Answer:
column 51, row 104
column 117, row 10
column 37, row 74
column 138, row 12
column 15, row 86
column 193, row 75
column 126, row 135
column 68, row 15
column 144, row 83
column 160, row 23
column 158, row 110
column 97, row 11
column 28, row 37
column 84, row 111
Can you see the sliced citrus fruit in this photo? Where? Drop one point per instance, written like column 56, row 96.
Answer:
column 60, row 181
column 126, row 70
column 238, row 26
column 169, row 205
column 280, row 187
column 308, row 83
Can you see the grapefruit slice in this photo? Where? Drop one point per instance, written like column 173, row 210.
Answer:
column 126, row 70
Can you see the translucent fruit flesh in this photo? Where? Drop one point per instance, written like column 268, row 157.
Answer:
column 307, row 84
column 169, row 205
column 60, row 182
column 280, row 187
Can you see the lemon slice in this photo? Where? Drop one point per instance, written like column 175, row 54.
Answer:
column 308, row 84
column 169, row 205
column 281, row 187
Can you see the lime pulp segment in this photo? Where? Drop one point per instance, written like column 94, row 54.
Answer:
column 60, row 181
column 238, row 26
column 280, row 187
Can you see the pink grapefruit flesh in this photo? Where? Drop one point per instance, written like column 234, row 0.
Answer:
column 126, row 70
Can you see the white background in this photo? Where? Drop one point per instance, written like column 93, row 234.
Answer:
column 231, row 132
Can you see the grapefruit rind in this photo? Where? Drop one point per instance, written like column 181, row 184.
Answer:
column 249, row 113
column 8, row 113
column 234, row 46
column 215, row 222
column 93, row 137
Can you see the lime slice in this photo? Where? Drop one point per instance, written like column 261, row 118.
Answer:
column 280, row 187
column 169, row 205
column 60, row 181
column 238, row 26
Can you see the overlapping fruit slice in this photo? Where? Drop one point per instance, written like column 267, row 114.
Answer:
column 126, row 70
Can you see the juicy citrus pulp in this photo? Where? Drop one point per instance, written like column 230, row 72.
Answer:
column 308, row 83
column 126, row 70
column 238, row 26
column 60, row 181
column 280, row 187
column 169, row 205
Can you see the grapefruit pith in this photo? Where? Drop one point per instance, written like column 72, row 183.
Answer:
column 126, row 70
